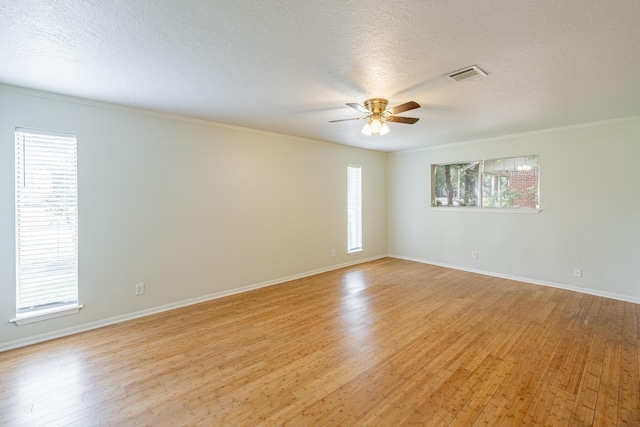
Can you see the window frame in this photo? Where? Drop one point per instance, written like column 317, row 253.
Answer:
column 354, row 209
column 46, row 191
column 480, row 184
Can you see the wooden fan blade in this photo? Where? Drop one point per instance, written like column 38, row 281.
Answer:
column 358, row 107
column 404, row 107
column 407, row 120
column 344, row 120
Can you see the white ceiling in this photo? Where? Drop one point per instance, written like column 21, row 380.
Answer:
column 289, row 66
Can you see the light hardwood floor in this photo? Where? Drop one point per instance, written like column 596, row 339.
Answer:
column 386, row 343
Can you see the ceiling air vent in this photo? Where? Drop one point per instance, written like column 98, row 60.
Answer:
column 467, row 74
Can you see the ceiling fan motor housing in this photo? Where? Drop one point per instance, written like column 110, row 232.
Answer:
column 376, row 105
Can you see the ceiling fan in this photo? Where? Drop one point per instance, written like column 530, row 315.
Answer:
column 378, row 115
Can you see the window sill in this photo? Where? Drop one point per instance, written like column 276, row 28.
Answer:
column 488, row 210
column 355, row 251
column 41, row 315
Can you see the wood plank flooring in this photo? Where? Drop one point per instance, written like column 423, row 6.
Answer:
column 386, row 343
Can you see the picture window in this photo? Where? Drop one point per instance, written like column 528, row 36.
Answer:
column 511, row 182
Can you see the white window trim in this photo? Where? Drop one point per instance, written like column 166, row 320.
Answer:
column 509, row 210
column 487, row 210
column 72, row 307
column 353, row 250
column 47, row 314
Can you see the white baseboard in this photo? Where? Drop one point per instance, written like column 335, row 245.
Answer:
column 154, row 310
column 595, row 292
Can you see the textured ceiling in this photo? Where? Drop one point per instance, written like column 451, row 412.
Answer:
column 290, row 66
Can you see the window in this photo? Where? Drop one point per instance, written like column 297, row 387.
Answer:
column 512, row 182
column 354, row 209
column 46, row 223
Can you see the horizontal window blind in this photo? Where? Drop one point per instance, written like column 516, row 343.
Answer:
column 46, row 220
column 354, row 208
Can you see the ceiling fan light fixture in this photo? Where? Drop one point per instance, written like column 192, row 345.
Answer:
column 384, row 129
column 375, row 125
column 367, row 129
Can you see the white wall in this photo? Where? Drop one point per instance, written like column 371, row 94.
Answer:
column 590, row 219
column 190, row 208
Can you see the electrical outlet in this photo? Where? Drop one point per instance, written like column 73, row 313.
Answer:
column 139, row 289
column 333, row 252
column 577, row 272
column 474, row 254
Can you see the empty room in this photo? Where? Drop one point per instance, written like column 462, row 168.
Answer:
column 338, row 213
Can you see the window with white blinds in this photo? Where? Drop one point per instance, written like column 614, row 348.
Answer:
column 354, row 209
column 46, row 222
